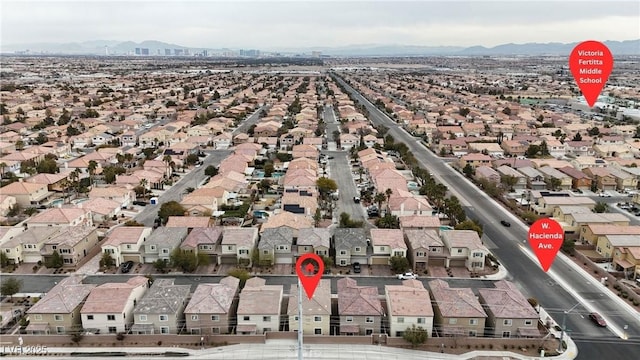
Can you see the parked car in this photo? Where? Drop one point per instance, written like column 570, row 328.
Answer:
column 407, row 276
column 597, row 319
column 125, row 267
column 140, row 203
column 356, row 267
column 356, row 199
column 505, row 223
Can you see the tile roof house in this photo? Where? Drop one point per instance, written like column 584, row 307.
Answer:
column 58, row 312
column 212, row 307
column 351, row 246
column 314, row 240
column 316, row 312
column 286, row 219
column 237, row 245
column 386, row 243
column 509, row 314
column 359, row 308
column 125, row 243
column 259, row 307
column 160, row 311
column 408, row 304
column 26, row 194
column 275, row 246
column 162, row 242
column 189, row 222
column 73, row 243
column 457, row 312
column 109, row 307
column 62, row 217
column 424, row 248
column 26, row 245
column 204, row 241
column 465, row 249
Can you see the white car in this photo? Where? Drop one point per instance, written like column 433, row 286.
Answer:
column 407, row 276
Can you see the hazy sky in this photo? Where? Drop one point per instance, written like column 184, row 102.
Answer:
column 286, row 24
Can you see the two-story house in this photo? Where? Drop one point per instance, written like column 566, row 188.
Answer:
column 465, row 249
column 314, row 240
column 73, row 243
column 109, row 307
column 237, row 245
column 162, row 242
column 58, row 312
column 457, row 312
column 204, row 240
column 316, row 313
column 350, row 245
column 359, row 308
column 125, row 243
column 259, row 307
column 160, row 311
column 212, row 307
column 408, row 304
column 26, row 246
column 424, row 247
column 509, row 314
column 275, row 246
column 387, row 243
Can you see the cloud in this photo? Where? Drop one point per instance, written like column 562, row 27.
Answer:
column 267, row 24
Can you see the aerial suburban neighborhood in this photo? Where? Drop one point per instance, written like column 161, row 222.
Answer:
column 166, row 201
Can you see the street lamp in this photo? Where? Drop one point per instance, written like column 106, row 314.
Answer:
column 564, row 319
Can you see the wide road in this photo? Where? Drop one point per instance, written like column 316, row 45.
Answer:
column 148, row 215
column 560, row 289
column 250, row 120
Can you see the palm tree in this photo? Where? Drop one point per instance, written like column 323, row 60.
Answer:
column 167, row 160
column 388, row 193
column 93, row 165
column 379, row 198
column 2, row 167
column 75, row 179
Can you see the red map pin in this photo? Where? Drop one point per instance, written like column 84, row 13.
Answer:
column 591, row 63
column 310, row 268
column 545, row 238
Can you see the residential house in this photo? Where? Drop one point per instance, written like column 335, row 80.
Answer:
column 359, row 308
column 125, row 243
column 162, row 242
column 316, row 313
column 314, row 240
column 62, row 217
column 238, row 245
column 465, row 249
column 404, row 203
column 119, row 194
column 579, row 180
column 204, row 241
column 408, row 304
column 212, row 307
column 419, row 222
column 259, row 307
column 488, row 174
column 109, row 307
column 535, row 179
column 507, row 171
column 58, row 311
column 624, row 180
column 7, row 203
column 509, row 314
column 545, row 205
column 73, row 243
column 627, row 260
column 275, row 246
column 160, row 311
column 594, row 234
column 26, row 245
column 287, row 219
column 457, row 312
column 556, row 179
column 350, row 245
column 387, row 243
column 189, row 222
column 474, row 160
column 602, row 177
column 424, row 248
column 607, row 243
column 102, row 210
column 27, row 194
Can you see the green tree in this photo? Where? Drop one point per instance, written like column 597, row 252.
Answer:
column 107, row 260
column 10, row 287
column 317, row 217
column 470, row 225
column 388, row 221
column 47, row 166
column 91, row 168
column 506, row 111
column 453, row 209
column 55, row 261
column 532, row 151
column 346, row 222
column 399, row 264
column 41, row 138
column 191, row 159
column 379, row 198
column 415, row 335
column 468, row 170
column 160, row 265
column 242, row 274
column 577, row 137
column 211, row 171
column 601, row 207
column 268, row 169
column 508, row 181
column 4, row 259
column 185, row 260
column 170, row 208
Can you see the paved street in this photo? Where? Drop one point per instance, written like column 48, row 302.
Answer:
column 251, row 120
column 558, row 290
column 148, row 215
column 329, row 117
column 341, row 173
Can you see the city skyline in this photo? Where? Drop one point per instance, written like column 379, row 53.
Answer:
column 268, row 25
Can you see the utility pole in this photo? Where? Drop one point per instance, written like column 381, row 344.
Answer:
column 564, row 319
column 299, row 320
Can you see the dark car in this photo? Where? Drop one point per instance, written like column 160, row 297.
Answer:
column 356, row 199
column 356, row 267
column 505, row 223
column 597, row 319
column 140, row 203
column 125, row 267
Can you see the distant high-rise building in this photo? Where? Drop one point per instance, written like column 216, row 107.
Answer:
column 186, row 52
column 177, row 52
column 167, row 52
column 106, row 50
column 137, row 51
column 144, row 51
column 249, row 53
column 316, row 54
column 205, row 53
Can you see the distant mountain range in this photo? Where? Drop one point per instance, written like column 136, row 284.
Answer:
column 111, row 47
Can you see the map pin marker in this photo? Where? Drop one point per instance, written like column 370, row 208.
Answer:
column 545, row 238
column 310, row 268
column 591, row 63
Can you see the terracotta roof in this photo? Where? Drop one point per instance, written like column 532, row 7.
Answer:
column 455, row 302
column 213, row 298
column 358, row 300
column 408, row 299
